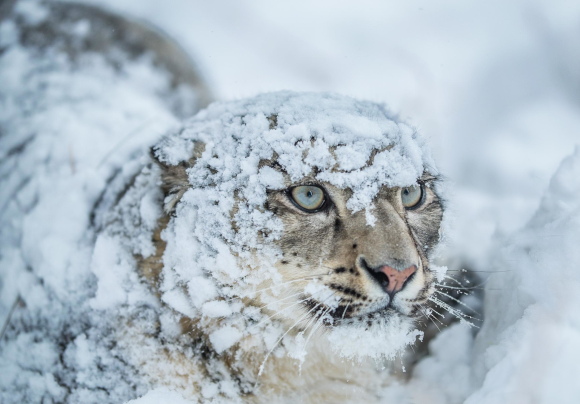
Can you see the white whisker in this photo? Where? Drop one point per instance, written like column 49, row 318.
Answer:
column 281, row 300
column 457, row 300
column 345, row 309
column 291, row 328
column 309, row 277
column 430, row 318
column 281, row 338
column 456, row 313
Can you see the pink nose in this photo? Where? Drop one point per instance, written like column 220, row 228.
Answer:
column 397, row 278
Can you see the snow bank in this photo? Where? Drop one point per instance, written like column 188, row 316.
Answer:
column 529, row 345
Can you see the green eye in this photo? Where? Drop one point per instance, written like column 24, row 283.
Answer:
column 412, row 196
column 307, row 197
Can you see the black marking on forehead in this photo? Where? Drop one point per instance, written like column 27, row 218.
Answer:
column 273, row 163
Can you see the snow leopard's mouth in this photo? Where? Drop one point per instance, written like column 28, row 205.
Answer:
column 349, row 313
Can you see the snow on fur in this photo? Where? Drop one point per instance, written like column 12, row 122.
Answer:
column 349, row 143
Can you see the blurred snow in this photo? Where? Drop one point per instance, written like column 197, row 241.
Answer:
column 496, row 86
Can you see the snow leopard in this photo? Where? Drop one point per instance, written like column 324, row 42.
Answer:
column 275, row 248
column 304, row 258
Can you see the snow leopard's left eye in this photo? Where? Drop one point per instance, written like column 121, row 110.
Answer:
column 309, row 198
column 412, row 196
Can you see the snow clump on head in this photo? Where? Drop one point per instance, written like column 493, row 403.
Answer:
column 329, row 138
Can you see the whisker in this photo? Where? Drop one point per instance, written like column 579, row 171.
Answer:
column 345, row 309
column 281, row 300
column 280, row 284
column 286, row 308
column 463, row 288
column 435, row 311
column 318, row 323
column 281, row 338
column 456, row 313
column 290, row 329
column 454, row 280
column 427, row 316
column 310, row 322
column 457, row 300
column 471, row 270
column 292, row 281
column 280, row 311
column 317, row 326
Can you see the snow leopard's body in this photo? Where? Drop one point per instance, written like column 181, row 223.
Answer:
column 238, row 296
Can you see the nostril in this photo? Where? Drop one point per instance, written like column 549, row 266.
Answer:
column 379, row 276
column 391, row 279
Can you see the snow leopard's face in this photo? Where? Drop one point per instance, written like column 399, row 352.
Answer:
column 338, row 270
column 339, row 267
column 309, row 210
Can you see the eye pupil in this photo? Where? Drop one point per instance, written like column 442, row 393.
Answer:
column 309, row 194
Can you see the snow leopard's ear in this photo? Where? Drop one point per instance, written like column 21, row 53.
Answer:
column 174, row 178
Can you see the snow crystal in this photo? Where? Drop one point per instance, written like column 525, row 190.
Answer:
column 216, row 308
column 161, row 395
column 387, row 339
column 224, row 338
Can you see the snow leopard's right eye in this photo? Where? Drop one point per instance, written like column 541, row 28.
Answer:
column 309, row 198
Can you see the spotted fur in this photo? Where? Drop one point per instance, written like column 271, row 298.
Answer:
column 339, row 248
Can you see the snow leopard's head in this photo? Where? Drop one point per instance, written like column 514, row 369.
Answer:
column 314, row 211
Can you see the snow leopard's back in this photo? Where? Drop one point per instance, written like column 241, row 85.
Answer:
column 84, row 94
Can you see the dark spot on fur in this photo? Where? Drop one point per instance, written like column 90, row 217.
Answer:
column 284, row 262
column 337, row 224
column 273, row 120
column 354, row 246
column 351, row 270
column 347, row 291
column 340, row 270
column 295, row 254
column 336, row 287
column 299, row 265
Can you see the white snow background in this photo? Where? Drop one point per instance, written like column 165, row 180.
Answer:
column 495, row 86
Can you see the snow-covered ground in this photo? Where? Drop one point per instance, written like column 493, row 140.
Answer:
column 495, row 86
